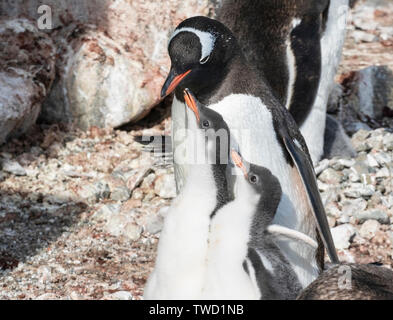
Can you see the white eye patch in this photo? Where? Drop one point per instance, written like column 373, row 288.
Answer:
column 206, row 39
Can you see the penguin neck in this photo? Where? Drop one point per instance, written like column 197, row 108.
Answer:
column 244, row 193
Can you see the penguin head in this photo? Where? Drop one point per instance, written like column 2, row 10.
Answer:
column 263, row 182
column 200, row 50
column 213, row 125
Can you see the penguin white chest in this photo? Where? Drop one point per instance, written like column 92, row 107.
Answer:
column 252, row 128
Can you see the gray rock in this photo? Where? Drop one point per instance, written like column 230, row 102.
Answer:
column 120, row 194
column 27, row 70
column 372, row 162
column 330, row 176
column 362, row 36
column 333, row 211
column 342, row 236
column 165, row 186
column 107, row 211
column 108, row 73
column 94, row 191
column 358, row 190
column 352, row 207
column 369, row 229
column 322, row 165
column 381, row 216
column 121, row 224
column 388, row 142
column 390, row 234
column 13, row 167
column 154, row 223
column 120, row 295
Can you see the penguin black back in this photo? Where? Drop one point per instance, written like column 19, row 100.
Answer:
column 266, row 30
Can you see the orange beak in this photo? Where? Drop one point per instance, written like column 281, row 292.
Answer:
column 191, row 103
column 237, row 160
column 172, row 82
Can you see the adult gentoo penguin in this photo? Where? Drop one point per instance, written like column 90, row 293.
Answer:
column 207, row 59
column 296, row 46
column 243, row 261
column 179, row 272
column 351, row 282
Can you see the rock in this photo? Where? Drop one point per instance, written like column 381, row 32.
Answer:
column 351, row 207
column 369, row 229
column 120, row 194
column 330, row 176
column 333, row 211
column 358, row 190
column 383, row 158
column 154, row 223
column 371, row 91
column 119, row 295
column 323, row 165
column 332, row 222
column 107, row 211
column 13, row 167
column 120, row 224
column 112, row 56
column 27, row 70
column 388, row 142
column 371, row 161
column 93, row 192
column 165, row 186
column 361, row 36
column 381, row 216
column 388, row 201
column 390, row 235
column 342, row 235
column 132, row 231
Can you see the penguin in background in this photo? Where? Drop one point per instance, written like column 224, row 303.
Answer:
column 243, row 261
column 207, row 59
column 296, row 46
column 351, row 282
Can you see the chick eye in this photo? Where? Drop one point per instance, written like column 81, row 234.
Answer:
column 253, row 179
column 205, row 59
column 205, row 124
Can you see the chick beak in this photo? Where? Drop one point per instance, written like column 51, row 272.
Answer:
column 237, row 160
column 191, row 103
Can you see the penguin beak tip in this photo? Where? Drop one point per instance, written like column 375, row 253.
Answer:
column 172, row 82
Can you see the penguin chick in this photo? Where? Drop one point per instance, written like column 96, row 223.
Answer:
column 180, row 267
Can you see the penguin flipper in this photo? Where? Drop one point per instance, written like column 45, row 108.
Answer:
column 307, row 175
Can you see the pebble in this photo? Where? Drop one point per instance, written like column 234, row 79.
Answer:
column 119, row 295
column 330, row 176
column 362, row 36
column 165, row 186
column 342, row 235
column 13, row 167
column 369, row 229
column 358, row 190
column 373, row 214
column 351, row 207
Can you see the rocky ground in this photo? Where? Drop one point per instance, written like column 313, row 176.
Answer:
column 81, row 212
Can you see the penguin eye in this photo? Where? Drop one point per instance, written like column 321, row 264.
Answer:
column 205, row 59
column 253, row 179
column 205, row 124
